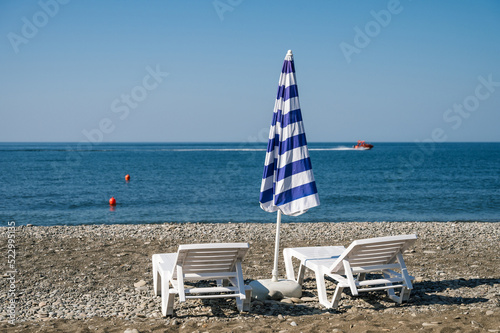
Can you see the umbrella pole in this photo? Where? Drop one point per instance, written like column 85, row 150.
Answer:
column 277, row 247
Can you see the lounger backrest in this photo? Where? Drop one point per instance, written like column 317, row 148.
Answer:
column 373, row 251
column 210, row 258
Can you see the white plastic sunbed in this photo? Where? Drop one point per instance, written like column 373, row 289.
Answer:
column 382, row 254
column 215, row 261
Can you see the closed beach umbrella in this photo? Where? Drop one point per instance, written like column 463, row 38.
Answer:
column 288, row 184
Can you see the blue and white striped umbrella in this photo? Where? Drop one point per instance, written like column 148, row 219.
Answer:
column 288, row 184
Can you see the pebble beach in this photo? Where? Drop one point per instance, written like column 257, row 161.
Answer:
column 98, row 278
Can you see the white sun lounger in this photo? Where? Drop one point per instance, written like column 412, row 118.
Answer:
column 382, row 254
column 216, row 261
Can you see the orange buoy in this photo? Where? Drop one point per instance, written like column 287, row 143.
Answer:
column 127, row 177
column 112, row 201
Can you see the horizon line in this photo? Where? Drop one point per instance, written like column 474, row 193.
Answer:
column 219, row 142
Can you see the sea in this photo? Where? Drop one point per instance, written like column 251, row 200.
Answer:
column 71, row 183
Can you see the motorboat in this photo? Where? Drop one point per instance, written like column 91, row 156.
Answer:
column 363, row 145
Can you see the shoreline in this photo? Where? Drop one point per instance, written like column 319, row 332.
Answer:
column 229, row 222
column 69, row 276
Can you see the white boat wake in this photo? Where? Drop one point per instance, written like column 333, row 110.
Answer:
column 338, row 148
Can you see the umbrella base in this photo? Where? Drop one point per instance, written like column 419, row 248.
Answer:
column 268, row 289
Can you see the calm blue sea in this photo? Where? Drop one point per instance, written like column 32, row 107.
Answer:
column 68, row 184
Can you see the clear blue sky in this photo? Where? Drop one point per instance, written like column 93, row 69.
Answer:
column 67, row 67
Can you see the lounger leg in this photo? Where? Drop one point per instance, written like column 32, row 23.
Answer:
column 320, row 282
column 405, row 294
column 290, row 274
column 390, row 292
column 246, row 302
column 180, row 284
column 240, row 284
column 167, row 303
column 300, row 274
column 392, row 295
column 156, row 279
column 336, row 297
column 239, row 304
column 406, row 290
column 243, row 304
column 157, row 284
column 350, row 278
column 167, row 298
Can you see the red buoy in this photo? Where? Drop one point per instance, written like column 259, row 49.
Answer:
column 127, row 178
column 112, row 201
